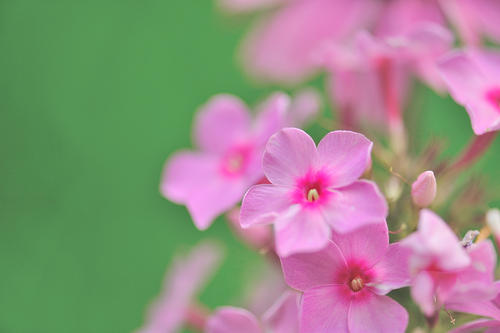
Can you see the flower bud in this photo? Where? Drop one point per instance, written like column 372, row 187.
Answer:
column 423, row 190
column 493, row 222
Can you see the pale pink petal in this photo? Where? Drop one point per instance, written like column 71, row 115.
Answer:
column 345, row 155
column 264, row 203
column 399, row 16
column 368, row 243
column 306, row 104
column 434, row 242
column 303, row 271
column 185, row 278
column 283, row 316
column 259, row 236
column 184, row 172
column 289, row 154
column 423, row 292
column 325, row 309
column 221, row 122
column 469, row 85
column 283, row 46
column 393, row 271
column 377, row 314
column 423, row 190
column 481, row 308
column 213, row 197
column 300, row 230
column 231, row 319
column 271, row 117
column 356, row 205
column 476, row 325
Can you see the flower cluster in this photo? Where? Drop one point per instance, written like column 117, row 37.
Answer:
column 347, row 221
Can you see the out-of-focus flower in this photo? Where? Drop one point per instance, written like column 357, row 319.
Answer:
column 423, row 190
column 282, row 317
column 312, row 189
column 282, row 46
column 345, row 284
column 185, row 278
column 443, row 271
column 213, row 179
column 243, row 6
column 371, row 77
column 473, row 79
column 474, row 19
column 489, row 326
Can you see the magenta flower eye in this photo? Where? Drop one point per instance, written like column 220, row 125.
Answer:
column 493, row 96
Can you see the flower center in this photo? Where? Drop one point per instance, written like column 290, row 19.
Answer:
column 234, row 163
column 493, row 96
column 312, row 195
column 356, row 284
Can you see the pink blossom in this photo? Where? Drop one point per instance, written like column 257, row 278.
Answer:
column 345, row 283
column 313, row 189
column 473, row 79
column 282, row 46
column 443, row 271
column 423, row 190
column 493, row 222
column 187, row 275
column 213, row 179
column 282, row 317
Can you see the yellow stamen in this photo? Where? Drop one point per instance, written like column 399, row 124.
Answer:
column 357, row 284
column 312, row 195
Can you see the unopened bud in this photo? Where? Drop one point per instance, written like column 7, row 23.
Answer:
column 423, row 190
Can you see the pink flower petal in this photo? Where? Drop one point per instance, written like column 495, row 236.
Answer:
column 476, row 325
column 358, row 204
column 184, row 280
column 346, row 155
column 271, row 116
column 303, row 271
column 392, row 272
column 282, row 47
column 300, row 230
column 289, row 154
column 230, row 320
column 423, row 291
column 213, row 197
column 481, row 308
column 306, row 104
column 263, row 203
column 221, row 122
column 325, row 309
column 283, row 316
column 376, row 313
column 369, row 243
column 184, row 172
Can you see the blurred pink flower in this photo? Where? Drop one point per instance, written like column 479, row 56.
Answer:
column 473, row 79
column 282, row 46
column 312, row 189
column 423, row 190
column 213, row 179
column 243, row 6
column 185, row 278
column 345, row 284
column 443, row 271
column 282, row 317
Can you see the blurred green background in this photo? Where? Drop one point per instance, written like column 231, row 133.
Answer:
column 95, row 95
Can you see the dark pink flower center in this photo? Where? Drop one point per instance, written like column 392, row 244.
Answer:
column 493, row 96
column 311, row 189
column 357, row 276
column 236, row 160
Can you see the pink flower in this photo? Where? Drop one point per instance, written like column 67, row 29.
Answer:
column 312, row 189
column 345, row 284
column 282, row 46
column 282, row 317
column 473, row 79
column 443, row 271
column 423, row 190
column 187, row 275
column 212, row 180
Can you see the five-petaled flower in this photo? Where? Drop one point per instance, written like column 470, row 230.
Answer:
column 313, row 189
column 345, row 284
